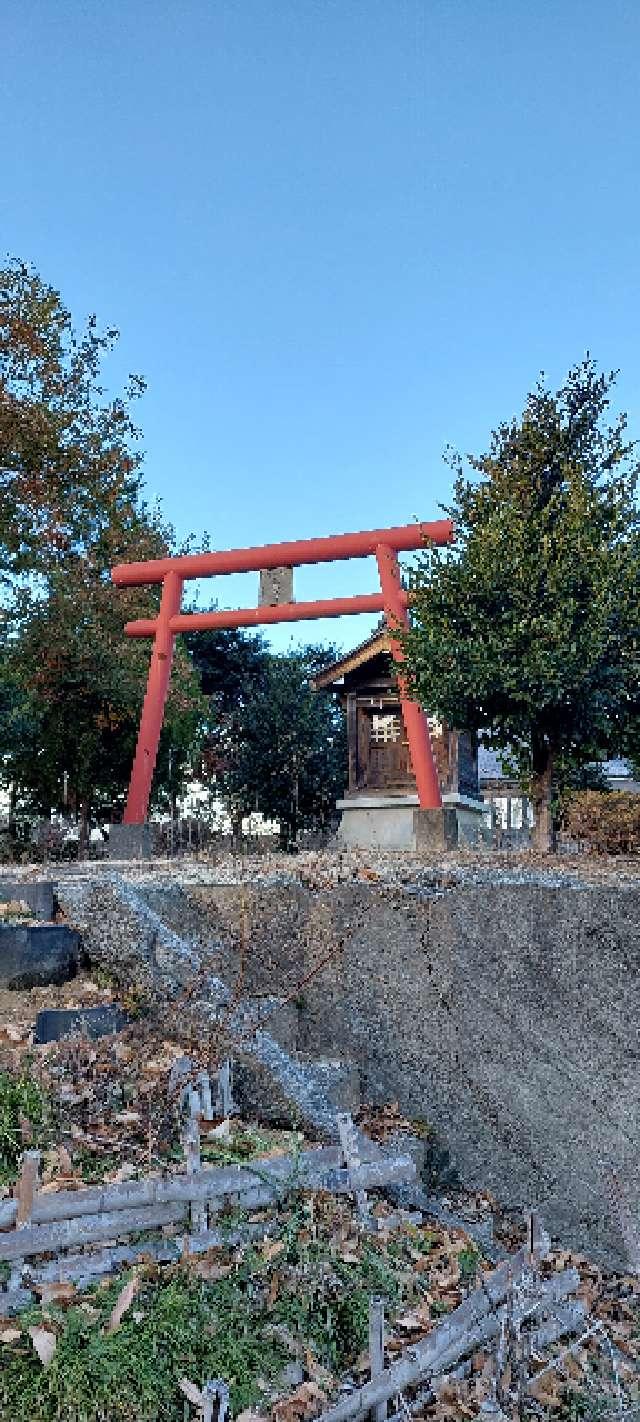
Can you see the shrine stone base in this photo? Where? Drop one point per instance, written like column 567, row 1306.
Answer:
column 130, row 841
column 397, row 822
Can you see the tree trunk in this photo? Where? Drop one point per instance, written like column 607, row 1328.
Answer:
column 83, row 818
column 543, row 759
column 13, row 810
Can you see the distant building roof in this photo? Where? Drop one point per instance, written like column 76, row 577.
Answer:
column 616, row 769
column 490, row 766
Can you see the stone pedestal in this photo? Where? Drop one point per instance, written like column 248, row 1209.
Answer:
column 435, row 829
column 461, row 822
column 397, row 822
column 130, row 841
column 377, row 821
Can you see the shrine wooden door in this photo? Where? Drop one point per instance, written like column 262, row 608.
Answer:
column 383, row 752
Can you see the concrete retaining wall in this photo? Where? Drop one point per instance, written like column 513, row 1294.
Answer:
column 507, row 1015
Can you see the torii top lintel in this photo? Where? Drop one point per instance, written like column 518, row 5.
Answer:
column 384, row 544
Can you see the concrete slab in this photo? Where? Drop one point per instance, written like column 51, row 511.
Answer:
column 35, row 955
column 384, row 822
column 55, row 1023
column 37, row 893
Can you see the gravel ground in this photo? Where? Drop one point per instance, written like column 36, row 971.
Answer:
column 320, row 869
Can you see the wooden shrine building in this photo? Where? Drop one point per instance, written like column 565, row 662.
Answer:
column 381, row 793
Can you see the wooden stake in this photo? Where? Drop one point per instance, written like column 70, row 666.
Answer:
column 191, row 1144
column 27, row 1187
column 376, row 1350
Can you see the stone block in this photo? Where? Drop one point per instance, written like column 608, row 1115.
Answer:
column 435, row 829
column 55, row 1023
column 459, row 821
column 377, row 821
column 37, row 893
column 34, row 955
column 130, row 841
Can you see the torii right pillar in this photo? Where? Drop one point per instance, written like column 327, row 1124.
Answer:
column 391, row 819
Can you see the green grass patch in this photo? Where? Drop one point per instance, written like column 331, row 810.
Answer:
column 188, row 1328
column 315, row 1289
column 246, row 1142
column 20, row 1100
column 468, row 1261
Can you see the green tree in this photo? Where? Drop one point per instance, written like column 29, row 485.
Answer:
column 71, row 505
column 69, row 453
column 528, row 628
column 276, row 746
column 76, row 686
column 232, row 666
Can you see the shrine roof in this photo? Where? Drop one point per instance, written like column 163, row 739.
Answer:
column 359, row 656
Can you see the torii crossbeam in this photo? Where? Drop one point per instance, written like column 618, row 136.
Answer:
column 172, row 573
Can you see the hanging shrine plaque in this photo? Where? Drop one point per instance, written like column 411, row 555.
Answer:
column 276, row 586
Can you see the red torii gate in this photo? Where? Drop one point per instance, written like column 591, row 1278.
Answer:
column 172, row 573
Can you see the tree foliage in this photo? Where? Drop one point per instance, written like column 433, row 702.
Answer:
column 528, row 629
column 69, row 453
column 78, row 686
column 71, row 504
column 274, row 745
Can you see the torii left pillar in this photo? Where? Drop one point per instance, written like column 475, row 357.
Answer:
column 132, row 839
column 154, row 702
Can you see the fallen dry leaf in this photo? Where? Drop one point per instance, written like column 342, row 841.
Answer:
column 62, row 1292
column 307, row 1401
column 272, row 1248
column 547, row 1389
column 44, row 1343
column 10, row 1335
column 222, row 1131
column 208, row 1267
column 14, row 1034
column 123, row 1302
column 417, row 1320
column 65, row 1163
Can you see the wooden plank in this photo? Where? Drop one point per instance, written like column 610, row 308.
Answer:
column 127, row 1195
column 351, row 1151
column 64, row 1234
column 470, row 1325
column 204, row 1184
column 376, row 1350
column 352, row 740
column 101, row 1262
column 167, row 1206
column 363, row 743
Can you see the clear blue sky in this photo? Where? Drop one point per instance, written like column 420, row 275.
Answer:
column 336, row 235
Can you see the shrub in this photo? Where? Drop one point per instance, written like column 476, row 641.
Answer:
column 607, row 822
